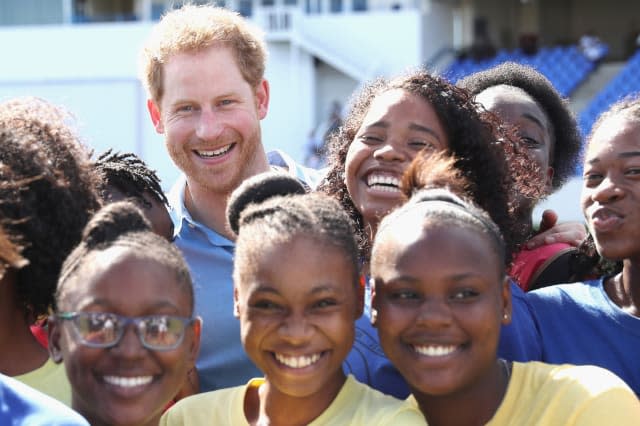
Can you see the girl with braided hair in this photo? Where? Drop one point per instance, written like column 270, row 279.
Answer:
column 297, row 296
column 124, row 323
column 127, row 176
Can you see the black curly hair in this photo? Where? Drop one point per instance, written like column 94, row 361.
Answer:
column 437, row 171
column 122, row 224
column 273, row 207
column 486, row 153
column 566, row 138
column 47, row 194
column 130, row 175
column 446, row 208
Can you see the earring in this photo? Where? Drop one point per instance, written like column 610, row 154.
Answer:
column 505, row 316
column 236, row 310
column 374, row 316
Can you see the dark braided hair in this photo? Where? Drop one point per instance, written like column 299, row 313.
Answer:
column 122, row 224
column 485, row 152
column 47, row 193
column 130, row 175
column 566, row 137
column 272, row 208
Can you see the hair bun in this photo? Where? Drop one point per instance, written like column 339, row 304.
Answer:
column 114, row 220
column 257, row 189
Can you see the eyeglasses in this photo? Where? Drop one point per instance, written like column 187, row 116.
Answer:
column 105, row 330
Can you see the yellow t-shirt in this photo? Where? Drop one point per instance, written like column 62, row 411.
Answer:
column 50, row 379
column 356, row 404
column 548, row 395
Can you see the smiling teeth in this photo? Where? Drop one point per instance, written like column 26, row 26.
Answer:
column 298, row 361
column 384, row 182
column 434, row 350
column 128, row 382
column 215, row 153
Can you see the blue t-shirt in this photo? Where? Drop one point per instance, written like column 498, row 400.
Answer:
column 519, row 341
column 579, row 324
column 21, row 405
column 222, row 362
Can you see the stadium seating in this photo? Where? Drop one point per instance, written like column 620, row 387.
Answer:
column 565, row 66
column 626, row 82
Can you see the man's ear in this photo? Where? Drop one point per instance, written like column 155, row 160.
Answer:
column 54, row 333
column 374, row 302
column 156, row 117
column 262, row 98
column 236, row 303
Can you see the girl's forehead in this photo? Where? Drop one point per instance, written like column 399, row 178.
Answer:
column 99, row 269
column 614, row 129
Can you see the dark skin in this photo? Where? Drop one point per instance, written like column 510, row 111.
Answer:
column 480, row 402
column 25, row 354
column 610, row 199
column 621, row 289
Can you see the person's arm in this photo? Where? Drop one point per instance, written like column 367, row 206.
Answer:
column 551, row 232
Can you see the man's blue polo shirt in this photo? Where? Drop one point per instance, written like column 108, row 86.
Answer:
column 222, row 361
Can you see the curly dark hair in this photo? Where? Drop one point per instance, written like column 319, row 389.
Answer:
column 486, row 153
column 436, row 173
column 130, row 175
column 47, row 193
column 566, row 137
column 122, row 224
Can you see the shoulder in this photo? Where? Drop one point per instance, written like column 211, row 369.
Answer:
column 308, row 176
column 566, row 394
column 22, row 404
column 598, row 392
column 371, row 407
column 201, row 408
column 577, row 293
column 579, row 381
column 50, row 379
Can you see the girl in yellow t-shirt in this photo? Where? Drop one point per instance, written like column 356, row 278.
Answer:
column 440, row 296
column 297, row 296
